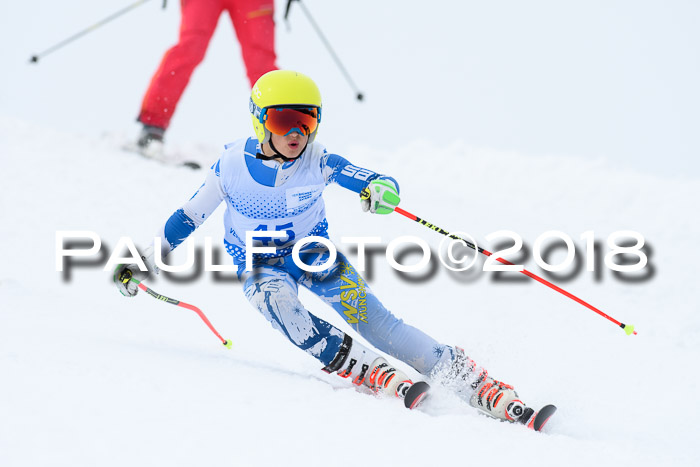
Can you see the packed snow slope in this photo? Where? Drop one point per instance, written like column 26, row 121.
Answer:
column 89, row 377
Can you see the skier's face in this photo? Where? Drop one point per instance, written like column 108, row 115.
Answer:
column 290, row 145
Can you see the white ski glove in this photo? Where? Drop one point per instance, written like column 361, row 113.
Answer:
column 381, row 196
column 123, row 274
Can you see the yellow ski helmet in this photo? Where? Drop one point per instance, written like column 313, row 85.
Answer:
column 282, row 88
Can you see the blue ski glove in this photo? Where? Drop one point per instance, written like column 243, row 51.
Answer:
column 381, row 196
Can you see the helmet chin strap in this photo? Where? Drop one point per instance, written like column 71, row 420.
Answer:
column 279, row 155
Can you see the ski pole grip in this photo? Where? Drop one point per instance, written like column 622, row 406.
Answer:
column 125, row 276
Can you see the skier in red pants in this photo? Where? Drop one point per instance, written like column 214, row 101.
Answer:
column 254, row 25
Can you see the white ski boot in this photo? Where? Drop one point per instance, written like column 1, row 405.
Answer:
column 365, row 367
column 500, row 400
column 473, row 384
column 387, row 379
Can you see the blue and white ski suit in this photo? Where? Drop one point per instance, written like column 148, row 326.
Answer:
column 268, row 196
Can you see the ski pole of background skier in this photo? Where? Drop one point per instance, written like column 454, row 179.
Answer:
column 628, row 328
column 127, row 277
column 343, row 70
column 89, row 29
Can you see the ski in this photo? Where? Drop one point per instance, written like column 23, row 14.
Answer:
column 416, row 394
column 541, row 417
column 419, row 391
column 171, row 161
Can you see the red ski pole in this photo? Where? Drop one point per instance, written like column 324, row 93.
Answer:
column 227, row 343
column 628, row 328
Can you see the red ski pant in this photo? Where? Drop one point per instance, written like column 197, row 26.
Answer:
column 255, row 29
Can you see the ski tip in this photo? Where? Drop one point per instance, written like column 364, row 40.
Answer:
column 228, row 344
column 543, row 416
column 416, row 394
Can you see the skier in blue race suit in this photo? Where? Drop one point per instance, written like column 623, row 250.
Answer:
column 274, row 183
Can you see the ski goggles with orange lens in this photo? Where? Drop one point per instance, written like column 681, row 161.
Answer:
column 284, row 120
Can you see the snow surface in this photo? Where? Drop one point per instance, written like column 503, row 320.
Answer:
column 88, row 377
column 92, row 378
